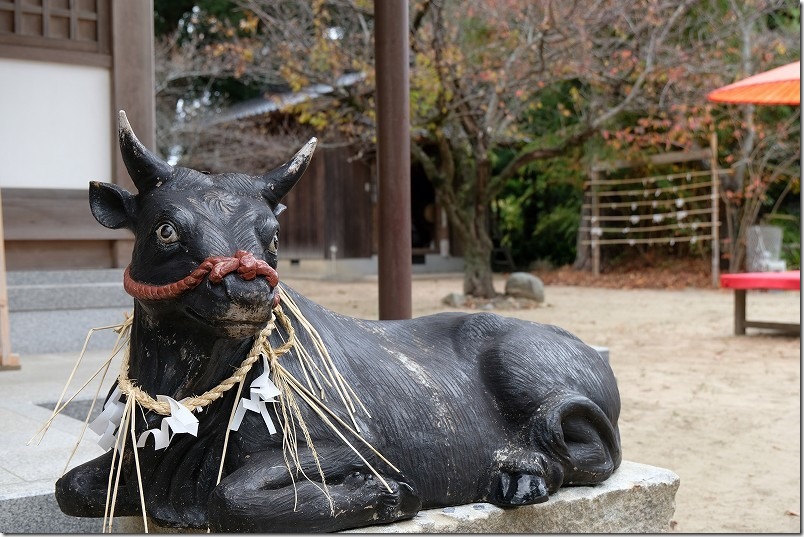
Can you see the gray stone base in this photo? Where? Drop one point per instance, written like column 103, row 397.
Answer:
column 637, row 499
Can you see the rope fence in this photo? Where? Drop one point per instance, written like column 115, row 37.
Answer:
column 668, row 208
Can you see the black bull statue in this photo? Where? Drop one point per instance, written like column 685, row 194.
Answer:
column 468, row 407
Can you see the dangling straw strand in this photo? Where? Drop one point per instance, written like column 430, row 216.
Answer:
column 120, row 444
column 122, row 332
column 59, row 406
column 322, row 412
column 132, row 420
column 228, row 430
column 336, row 377
column 290, row 399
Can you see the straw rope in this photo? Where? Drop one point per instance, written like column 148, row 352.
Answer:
column 128, row 387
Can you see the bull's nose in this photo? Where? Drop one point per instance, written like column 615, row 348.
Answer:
column 254, row 292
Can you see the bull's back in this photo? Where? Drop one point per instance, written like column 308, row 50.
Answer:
column 439, row 388
column 430, row 415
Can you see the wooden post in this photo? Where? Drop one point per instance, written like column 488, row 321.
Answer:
column 391, row 58
column 715, row 212
column 8, row 360
column 133, row 91
column 739, row 312
column 594, row 221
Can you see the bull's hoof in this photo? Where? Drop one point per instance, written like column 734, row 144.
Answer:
column 398, row 503
column 401, row 503
column 82, row 491
column 518, row 489
column 524, row 477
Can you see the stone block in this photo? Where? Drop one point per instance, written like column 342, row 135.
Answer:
column 637, row 499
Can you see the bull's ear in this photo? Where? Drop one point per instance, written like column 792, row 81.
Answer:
column 112, row 206
column 279, row 209
column 277, row 183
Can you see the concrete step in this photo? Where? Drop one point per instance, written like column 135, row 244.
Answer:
column 52, row 311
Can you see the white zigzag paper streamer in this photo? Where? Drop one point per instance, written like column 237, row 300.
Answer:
column 181, row 420
column 262, row 391
column 108, row 420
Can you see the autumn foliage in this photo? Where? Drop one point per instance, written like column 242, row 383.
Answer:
column 500, row 89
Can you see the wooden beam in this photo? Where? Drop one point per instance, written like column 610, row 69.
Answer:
column 18, row 51
column 655, row 160
column 45, row 214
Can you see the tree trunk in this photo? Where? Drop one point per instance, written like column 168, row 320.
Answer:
column 741, row 221
column 478, row 278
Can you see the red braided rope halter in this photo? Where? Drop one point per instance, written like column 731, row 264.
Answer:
column 246, row 265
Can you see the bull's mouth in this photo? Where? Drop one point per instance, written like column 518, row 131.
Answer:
column 236, row 325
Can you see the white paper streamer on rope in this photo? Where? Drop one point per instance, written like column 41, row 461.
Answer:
column 181, row 420
column 262, row 391
column 107, row 422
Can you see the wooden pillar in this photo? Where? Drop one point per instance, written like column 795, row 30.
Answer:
column 391, row 57
column 8, row 360
column 132, row 90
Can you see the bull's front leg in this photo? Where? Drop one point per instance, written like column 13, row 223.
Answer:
column 82, row 491
column 262, row 497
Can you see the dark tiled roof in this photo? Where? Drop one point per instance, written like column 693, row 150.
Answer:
column 274, row 102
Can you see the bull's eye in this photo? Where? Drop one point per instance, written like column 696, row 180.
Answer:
column 274, row 246
column 166, row 233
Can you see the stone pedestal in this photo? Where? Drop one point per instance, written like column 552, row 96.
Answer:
column 637, row 499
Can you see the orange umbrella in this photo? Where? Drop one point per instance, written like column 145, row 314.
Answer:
column 777, row 86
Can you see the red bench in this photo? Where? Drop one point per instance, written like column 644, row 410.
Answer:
column 789, row 280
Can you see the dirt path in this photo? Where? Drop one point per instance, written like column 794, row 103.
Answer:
column 721, row 411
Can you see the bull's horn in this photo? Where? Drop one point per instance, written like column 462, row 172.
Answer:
column 278, row 182
column 144, row 167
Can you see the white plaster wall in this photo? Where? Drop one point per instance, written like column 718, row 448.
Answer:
column 55, row 125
